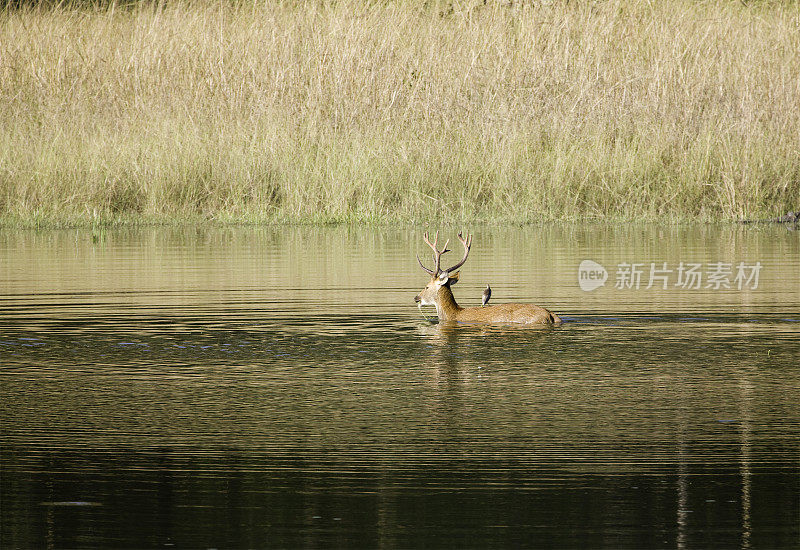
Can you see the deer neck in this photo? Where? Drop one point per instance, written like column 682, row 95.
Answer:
column 446, row 307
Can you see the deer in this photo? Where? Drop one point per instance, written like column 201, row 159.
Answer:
column 438, row 293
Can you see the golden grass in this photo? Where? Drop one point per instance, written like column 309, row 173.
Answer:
column 354, row 110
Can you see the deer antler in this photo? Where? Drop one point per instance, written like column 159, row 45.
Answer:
column 432, row 273
column 437, row 254
column 467, row 244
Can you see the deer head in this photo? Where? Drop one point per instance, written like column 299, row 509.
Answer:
column 440, row 278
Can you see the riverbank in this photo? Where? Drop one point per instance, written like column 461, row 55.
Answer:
column 402, row 112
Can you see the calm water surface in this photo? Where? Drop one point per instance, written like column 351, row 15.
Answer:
column 277, row 387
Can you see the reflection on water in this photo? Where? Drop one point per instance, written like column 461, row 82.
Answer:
column 274, row 387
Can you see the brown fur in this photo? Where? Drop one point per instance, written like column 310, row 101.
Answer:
column 437, row 292
column 448, row 309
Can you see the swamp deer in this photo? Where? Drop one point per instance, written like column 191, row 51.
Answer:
column 437, row 293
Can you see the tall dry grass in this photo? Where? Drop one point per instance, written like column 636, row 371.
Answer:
column 354, row 110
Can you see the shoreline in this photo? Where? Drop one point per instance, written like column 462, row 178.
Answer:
column 124, row 222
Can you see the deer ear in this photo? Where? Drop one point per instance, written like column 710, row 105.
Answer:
column 445, row 278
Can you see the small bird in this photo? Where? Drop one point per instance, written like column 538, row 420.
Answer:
column 486, row 295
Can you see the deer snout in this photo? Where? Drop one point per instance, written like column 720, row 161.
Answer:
column 417, row 299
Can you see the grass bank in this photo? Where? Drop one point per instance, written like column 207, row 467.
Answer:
column 399, row 111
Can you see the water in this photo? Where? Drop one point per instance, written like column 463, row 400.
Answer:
column 277, row 387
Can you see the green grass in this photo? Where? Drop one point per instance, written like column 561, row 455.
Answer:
column 399, row 111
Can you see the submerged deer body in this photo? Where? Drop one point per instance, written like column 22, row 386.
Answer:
column 437, row 293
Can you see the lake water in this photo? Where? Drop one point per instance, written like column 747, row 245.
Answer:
column 277, row 387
